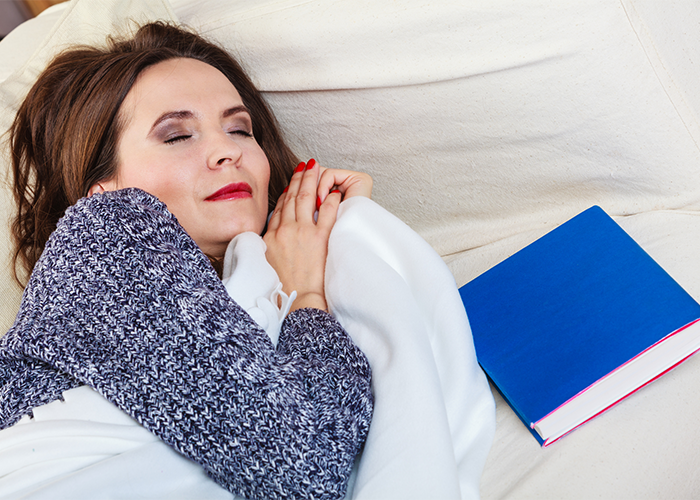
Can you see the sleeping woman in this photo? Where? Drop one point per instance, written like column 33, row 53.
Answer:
column 135, row 166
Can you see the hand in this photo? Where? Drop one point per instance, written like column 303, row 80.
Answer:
column 297, row 245
column 348, row 182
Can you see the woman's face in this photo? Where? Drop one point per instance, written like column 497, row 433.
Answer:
column 187, row 139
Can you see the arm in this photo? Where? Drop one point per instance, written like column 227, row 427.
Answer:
column 124, row 301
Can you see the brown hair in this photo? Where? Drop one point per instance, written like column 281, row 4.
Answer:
column 65, row 135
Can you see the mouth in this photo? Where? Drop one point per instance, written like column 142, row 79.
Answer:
column 232, row 191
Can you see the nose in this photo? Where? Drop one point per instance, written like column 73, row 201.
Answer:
column 223, row 151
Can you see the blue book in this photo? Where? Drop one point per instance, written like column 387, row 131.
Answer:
column 576, row 321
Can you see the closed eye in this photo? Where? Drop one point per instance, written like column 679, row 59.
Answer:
column 243, row 133
column 177, row 138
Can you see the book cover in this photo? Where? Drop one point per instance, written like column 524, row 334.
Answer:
column 576, row 321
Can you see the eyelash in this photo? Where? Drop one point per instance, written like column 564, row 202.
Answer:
column 244, row 133
column 179, row 138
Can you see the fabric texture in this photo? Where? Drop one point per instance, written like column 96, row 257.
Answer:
column 483, row 119
column 124, row 301
column 478, row 120
column 253, row 283
column 434, row 414
column 24, row 54
column 433, row 421
column 84, row 448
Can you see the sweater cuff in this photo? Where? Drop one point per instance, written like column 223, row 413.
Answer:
column 314, row 332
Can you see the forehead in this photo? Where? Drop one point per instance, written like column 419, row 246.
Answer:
column 180, row 84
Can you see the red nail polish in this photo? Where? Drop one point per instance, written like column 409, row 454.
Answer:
column 300, row 167
column 285, row 189
column 336, row 191
column 318, row 202
column 311, row 164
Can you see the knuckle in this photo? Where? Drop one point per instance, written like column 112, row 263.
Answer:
column 303, row 195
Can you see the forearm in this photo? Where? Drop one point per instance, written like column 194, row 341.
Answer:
column 314, row 410
column 151, row 327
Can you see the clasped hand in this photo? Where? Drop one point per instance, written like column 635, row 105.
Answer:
column 297, row 245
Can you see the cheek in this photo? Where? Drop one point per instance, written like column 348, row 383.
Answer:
column 162, row 175
column 262, row 172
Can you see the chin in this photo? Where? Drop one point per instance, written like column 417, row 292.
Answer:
column 229, row 235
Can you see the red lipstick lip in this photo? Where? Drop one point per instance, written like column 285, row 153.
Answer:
column 231, row 192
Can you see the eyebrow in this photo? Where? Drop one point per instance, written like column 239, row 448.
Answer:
column 185, row 115
column 235, row 110
column 171, row 115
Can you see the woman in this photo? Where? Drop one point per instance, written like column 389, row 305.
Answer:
column 160, row 151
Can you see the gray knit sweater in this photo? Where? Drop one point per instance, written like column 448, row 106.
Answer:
column 124, row 301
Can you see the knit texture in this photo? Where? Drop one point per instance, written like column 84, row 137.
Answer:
column 124, row 301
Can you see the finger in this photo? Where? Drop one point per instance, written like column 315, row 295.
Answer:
column 305, row 202
column 331, row 179
column 350, row 183
column 288, row 211
column 328, row 211
column 326, row 183
column 321, row 170
column 274, row 221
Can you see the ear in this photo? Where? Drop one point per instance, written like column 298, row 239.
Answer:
column 101, row 187
column 96, row 188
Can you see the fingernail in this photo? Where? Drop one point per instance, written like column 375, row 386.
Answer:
column 318, row 202
column 285, row 189
column 311, row 164
column 300, row 167
column 336, row 191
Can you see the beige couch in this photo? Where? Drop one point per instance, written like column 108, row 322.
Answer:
column 484, row 124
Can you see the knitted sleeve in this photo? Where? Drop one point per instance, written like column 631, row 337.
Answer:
column 123, row 300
